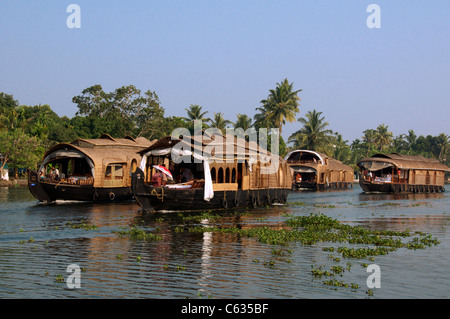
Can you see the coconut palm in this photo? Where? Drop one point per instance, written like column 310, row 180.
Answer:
column 195, row 113
column 368, row 138
column 382, row 137
column 443, row 143
column 219, row 122
column 243, row 121
column 313, row 135
column 280, row 106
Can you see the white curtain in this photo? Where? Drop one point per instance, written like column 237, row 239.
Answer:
column 209, row 192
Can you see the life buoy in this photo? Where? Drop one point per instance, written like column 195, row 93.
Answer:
column 224, row 203
column 111, row 195
column 236, row 202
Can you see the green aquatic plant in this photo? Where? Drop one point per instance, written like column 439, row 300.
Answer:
column 137, row 233
column 83, row 225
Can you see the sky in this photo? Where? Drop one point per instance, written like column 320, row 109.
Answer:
column 226, row 55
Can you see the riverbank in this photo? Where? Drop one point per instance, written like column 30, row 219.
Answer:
column 14, row 183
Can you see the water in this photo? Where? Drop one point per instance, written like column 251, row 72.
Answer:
column 38, row 242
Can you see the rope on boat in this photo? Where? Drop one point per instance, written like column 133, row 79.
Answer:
column 158, row 196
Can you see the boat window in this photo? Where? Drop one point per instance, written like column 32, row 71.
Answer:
column 227, row 175
column 114, row 171
column 233, row 175
column 213, row 174
column 220, row 175
column 118, row 172
column 108, row 173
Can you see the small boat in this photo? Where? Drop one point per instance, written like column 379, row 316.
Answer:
column 210, row 171
column 317, row 171
column 88, row 170
column 397, row 173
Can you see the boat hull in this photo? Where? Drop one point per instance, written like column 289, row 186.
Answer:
column 397, row 188
column 167, row 199
column 315, row 186
column 50, row 191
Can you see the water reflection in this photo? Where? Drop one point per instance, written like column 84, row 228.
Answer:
column 185, row 264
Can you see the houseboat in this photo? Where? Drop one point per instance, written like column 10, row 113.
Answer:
column 88, row 170
column 209, row 172
column 317, row 171
column 396, row 173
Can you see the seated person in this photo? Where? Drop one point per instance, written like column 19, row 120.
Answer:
column 54, row 173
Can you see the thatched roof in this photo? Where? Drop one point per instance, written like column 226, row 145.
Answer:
column 105, row 147
column 403, row 162
column 215, row 147
column 107, row 140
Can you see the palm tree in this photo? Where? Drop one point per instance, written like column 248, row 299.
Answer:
column 280, row 106
column 243, row 121
column 194, row 113
column 368, row 138
column 382, row 137
column 443, row 143
column 314, row 135
column 219, row 122
column 410, row 139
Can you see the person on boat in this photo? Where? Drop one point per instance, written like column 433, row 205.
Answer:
column 159, row 178
column 54, row 173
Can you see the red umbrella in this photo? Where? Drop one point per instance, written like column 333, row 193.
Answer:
column 164, row 170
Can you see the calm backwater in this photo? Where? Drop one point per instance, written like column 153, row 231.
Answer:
column 38, row 242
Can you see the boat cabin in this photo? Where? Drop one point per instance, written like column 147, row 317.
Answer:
column 313, row 170
column 88, row 169
column 399, row 173
column 209, row 171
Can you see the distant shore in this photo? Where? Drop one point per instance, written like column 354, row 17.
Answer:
column 14, row 183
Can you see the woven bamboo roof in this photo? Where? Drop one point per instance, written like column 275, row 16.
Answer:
column 216, row 146
column 105, row 148
column 407, row 162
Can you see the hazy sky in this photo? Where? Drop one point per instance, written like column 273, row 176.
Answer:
column 225, row 55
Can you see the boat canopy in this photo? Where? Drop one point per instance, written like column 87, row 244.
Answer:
column 375, row 166
column 72, row 153
column 380, row 161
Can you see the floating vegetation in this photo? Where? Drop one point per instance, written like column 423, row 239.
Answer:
column 317, row 228
column 59, row 278
column 198, row 218
column 83, row 225
column 137, row 233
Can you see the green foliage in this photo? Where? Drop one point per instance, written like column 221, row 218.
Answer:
column 281, row 105
column 26, row 132
column 314, row 134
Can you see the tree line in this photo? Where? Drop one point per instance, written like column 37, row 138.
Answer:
column 26, row 132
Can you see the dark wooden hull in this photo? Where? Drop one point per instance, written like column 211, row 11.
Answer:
column 166, row 199
column 50, row 191
column 315, row 186
column 396, row 188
